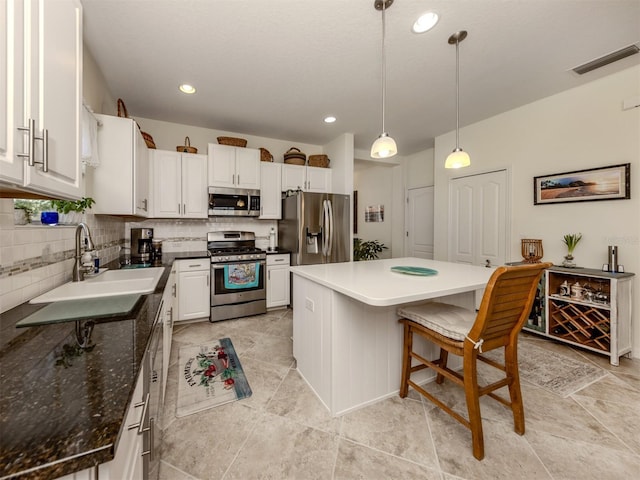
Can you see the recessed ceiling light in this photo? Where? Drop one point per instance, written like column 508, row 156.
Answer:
column 425, row 23
column 186, row 88
column 329, row 119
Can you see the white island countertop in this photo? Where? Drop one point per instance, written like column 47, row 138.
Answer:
column 372, row 282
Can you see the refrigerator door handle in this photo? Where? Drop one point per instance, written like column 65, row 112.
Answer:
column 330, row 233
column 325, row 227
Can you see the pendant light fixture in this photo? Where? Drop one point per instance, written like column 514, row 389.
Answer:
column 458, row 158
column 384, row 146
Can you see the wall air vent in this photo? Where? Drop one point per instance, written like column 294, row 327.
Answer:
column 606, row 59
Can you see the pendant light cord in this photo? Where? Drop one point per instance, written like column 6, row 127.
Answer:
column 457, row 94
column 384, row 64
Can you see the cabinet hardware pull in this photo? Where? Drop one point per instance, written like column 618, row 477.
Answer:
column 269, row 275
column 140, row 425
column 31, row 129
column 238, row 179
column 45, row 150
column 173, row 290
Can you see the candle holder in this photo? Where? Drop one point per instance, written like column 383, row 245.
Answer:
column 531, row 250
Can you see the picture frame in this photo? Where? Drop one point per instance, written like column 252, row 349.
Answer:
column 603, row 183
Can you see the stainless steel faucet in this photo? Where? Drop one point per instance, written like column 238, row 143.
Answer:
column 78, row 269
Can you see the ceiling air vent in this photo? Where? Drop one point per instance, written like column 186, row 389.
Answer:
column 607, row 59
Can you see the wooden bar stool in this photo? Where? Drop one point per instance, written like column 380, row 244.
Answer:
column 505, row 307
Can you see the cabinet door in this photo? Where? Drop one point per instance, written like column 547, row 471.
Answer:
column 111, row 185
column 271, row 191
column 293, row 177
column 166, row 185
column 141, row 176
column 318, row 180
column 54, row 99
column 169, row 301
column 128, row 461
column 248, row 168
column 193, row 295
column 277, row 286
column 194, row 186
column 222, row 165
column 11, row 91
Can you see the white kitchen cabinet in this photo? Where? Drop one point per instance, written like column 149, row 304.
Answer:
column 169, row 301
column 120, row 184
column 234, row 167
column 271, row 191
column 193, row 286
column 178, row 185
column 308, row 179
column 41, row 97
column 278, row 283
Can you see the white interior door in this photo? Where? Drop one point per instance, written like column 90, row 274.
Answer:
column 478, row 219
column 419, row 223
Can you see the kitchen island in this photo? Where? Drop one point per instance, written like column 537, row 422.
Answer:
column 346, row 337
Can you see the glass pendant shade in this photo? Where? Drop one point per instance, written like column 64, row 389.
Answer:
column 384, row 147
column 457, row 159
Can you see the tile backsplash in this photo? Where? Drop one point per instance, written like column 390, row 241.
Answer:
column 35, row 258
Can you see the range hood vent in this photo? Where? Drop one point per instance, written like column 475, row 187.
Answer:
column 606, row 59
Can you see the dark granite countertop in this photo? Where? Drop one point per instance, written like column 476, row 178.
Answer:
column 55, row 420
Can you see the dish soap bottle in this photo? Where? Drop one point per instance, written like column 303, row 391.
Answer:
column 272, row 240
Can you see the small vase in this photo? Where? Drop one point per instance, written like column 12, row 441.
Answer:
column 568, row 261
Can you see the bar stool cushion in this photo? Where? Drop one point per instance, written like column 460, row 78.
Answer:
column 449, row 320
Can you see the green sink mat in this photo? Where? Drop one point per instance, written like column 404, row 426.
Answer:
column 82, row 309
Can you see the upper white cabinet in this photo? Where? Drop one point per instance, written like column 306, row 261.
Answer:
column 120, row 184
column 271, row 191
column 234, row 167
column 308, row 179
column 41, row 96
column 179, row 185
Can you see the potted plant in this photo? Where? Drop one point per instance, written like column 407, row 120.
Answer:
column 72, row 209
column 367, row 250
column 22, row 212
column 571, row 241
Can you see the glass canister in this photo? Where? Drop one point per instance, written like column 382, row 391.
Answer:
column 156, row 249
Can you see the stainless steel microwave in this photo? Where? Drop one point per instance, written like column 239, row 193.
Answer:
column 233, row 202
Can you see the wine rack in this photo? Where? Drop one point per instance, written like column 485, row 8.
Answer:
column 589, row 309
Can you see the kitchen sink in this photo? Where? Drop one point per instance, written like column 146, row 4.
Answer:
column 106, row 284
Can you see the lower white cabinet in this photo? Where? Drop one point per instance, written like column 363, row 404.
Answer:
column 193, row 285
column 278, row 284
column 169, row 302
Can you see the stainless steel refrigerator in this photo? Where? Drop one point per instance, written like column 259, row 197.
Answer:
column 316, row 227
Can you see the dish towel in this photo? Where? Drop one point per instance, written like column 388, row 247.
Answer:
column 89, row 138
column 241, row 275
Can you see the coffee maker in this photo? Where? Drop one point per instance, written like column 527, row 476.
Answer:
column 141, row 239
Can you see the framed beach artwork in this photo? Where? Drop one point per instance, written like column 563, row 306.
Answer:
column 604, row 183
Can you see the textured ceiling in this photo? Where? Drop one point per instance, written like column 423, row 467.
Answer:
column 276, row 68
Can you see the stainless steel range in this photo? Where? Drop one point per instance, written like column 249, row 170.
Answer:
column 237, row 275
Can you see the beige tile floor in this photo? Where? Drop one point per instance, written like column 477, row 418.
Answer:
column 283, row 432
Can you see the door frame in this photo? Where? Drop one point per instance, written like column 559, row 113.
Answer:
column 508, row 208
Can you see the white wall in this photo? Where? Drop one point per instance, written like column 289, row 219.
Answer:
column 168, row 135
column 578, row 129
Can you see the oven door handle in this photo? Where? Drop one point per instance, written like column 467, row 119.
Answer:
column 220, row 266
